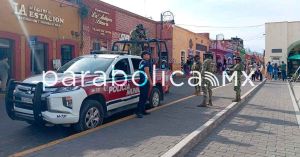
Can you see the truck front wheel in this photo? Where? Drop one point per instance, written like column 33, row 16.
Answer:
column 91, row 115
column 155, row 97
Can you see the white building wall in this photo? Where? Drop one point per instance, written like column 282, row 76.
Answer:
column 276, row 38
column 280, row 35
column 293, row 32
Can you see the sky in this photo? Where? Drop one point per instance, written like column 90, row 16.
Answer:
column 220, row 14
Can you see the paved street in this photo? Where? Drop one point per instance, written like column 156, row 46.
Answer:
column 151, row 136
column 266, row 125
column 16, row 136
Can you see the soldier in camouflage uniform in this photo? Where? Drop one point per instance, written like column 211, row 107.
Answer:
column 208, row 66
column 138, row 34
column 197, row 67
column 238, row 68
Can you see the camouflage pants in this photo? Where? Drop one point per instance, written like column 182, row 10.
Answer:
column 197, row 87
column 237, row 90
column 135, row 50
column 207, row 91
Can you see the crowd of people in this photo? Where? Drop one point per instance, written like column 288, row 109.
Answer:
column 276, row 72
column 256, row 70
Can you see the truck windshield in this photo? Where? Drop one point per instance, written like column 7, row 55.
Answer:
column 86, row 64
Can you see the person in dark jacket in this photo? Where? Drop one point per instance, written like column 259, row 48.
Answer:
column 4, row 66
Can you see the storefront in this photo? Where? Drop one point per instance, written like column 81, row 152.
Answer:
column 107, row 23
column 38, row 35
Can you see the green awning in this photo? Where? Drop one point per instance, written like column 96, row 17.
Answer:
column 295, row 57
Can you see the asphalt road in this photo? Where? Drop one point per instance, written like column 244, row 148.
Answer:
column 16, row 136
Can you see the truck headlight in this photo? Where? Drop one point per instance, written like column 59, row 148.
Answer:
column 68, row 102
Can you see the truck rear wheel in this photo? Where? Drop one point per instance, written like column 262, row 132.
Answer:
column 155, row 97
column 91, row 115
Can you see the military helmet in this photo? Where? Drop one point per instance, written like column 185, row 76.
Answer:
column 140, row 26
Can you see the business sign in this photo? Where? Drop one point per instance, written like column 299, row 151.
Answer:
column 124, row 37
column 101, row 20
column 35, row 14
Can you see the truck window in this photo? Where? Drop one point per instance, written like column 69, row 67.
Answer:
column 81, row 65
column 136, row 63
column 123, row 65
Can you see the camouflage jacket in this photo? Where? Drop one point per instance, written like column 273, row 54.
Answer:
column 208, row 66
column 238, row 68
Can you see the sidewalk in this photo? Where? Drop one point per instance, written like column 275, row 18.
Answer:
column 296, row 88
column 265, row 126
column 150, row 136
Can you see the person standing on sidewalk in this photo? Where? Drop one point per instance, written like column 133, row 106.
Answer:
column 208, row 66
column 275, row 71
column 237, row 88
column 197, row 68
column 269, row 71
column 283, row 71
column 4, row 66
column 145, row 82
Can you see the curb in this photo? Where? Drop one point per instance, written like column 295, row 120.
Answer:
column 291, row 87
column 191, row 140
column 296, row 104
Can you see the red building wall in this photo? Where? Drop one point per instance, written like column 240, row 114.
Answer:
column 119, row 25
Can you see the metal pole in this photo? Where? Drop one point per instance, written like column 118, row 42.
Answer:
column 238, row 44
column 161, row 25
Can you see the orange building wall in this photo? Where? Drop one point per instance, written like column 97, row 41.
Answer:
column 181, row 38
column 21, row 30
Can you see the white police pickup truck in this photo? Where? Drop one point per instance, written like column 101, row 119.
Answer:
column 83, row 104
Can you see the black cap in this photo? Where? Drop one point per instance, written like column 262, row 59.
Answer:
column 145, row 52
column 237, row 58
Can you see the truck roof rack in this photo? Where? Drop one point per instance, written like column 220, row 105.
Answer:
column 95, row 52
column 141, row 41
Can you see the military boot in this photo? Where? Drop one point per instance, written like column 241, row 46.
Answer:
column 203, row 104
column 210, row 103
column 237, row 99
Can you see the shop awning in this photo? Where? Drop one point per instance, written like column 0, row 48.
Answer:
column 295, row 57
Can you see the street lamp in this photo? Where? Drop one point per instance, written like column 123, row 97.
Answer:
column 166, row 17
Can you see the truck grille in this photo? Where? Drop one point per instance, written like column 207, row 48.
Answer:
column 28, row 93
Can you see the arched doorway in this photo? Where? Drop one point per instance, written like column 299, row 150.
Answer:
column 6, row 51
column 293, row 57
